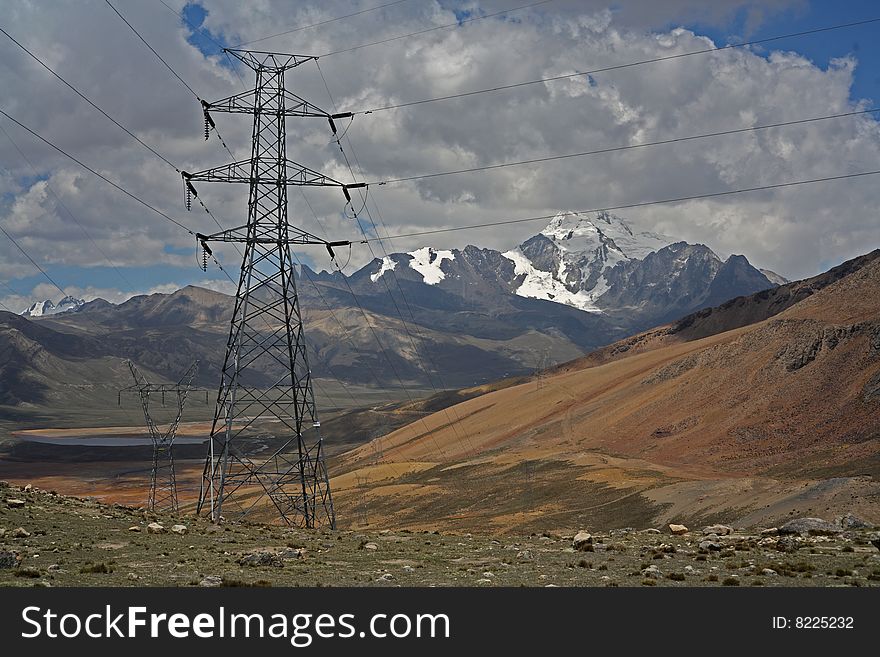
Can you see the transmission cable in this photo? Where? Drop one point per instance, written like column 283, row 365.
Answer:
column 99, row 175
column 615, row 149
column 324, row 22
column 616, row 67
column 88, row 100
column 153, row 50
column 32, row 261
column 642, row 204
column 51, row 189
column 397, row 282
column 168, row 66
column 435, row 28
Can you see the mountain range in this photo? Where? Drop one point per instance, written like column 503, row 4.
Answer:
column 47, row 307
column 750, row 412
column 439, row 318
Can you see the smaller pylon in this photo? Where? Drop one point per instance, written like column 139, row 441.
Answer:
column 163, row 483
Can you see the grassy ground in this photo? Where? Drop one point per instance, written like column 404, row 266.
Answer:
column 79, row 542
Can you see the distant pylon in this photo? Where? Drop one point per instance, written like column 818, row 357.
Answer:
column 163, row 482
column 266, row 330
column 540, row 369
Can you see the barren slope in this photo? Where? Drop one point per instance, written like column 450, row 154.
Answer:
column 755, row 417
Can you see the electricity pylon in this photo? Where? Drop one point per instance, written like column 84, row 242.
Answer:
column 163, row 483
column 266, row 330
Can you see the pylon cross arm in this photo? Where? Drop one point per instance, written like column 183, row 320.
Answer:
column 243, row 172
column 247, row 102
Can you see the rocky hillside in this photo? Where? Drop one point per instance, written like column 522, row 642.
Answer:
column 51, row 540
column 776, row 417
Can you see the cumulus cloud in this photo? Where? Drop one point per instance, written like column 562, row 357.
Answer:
column 795, row 231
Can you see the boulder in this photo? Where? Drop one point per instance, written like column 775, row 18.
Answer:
column 651, row 571
column 710, row 546
column 678, row 530
column 849, row 521
column 20, row 532
column 370, row 546
column 211, row 581
column 876, row 543
column 261, row 558
column 788, row 544
column 581, row 540
column 14, row 503
column 814, row 526
column 155, row 528
column 293, row 553
column 178, row 529
column 718, row 530
column 8, row 560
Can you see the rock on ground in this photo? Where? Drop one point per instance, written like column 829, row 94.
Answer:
column 8, row 560
column 261, row 558
column 581, row 540
column 178, row 529
column 813, row 526
column 718, row 530
column 155, row 528
column 678, row 530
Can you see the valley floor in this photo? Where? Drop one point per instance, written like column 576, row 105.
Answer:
column 51, row 540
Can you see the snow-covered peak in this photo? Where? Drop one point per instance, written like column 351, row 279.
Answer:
column 427, row 262
column 43, row 308
column 387, row 264
column 566, row 262
column 577, row 232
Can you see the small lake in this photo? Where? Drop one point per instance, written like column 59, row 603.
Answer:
column 122, row 440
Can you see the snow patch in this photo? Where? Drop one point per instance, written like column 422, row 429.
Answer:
column 43, row 308
column 539, row 284
column 427, row 262
column 387, row 265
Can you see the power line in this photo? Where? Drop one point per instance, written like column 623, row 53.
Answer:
column 435, row 28
column 195, row 28
column 628, row 147
column 678, row 199
column 114, row 121
column 616, row 67
column 33, row 262
column 138, row 34
column 67, row 210
column 324, row 22
column 206, row 33
column 99, row 175
column 88, row 100
column 397, row 282
column 175, row 74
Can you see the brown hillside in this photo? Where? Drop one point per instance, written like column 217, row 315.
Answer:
column 739, row 420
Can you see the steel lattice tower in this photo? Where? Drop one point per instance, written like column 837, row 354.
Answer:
column 266, row 330
column 163, row 483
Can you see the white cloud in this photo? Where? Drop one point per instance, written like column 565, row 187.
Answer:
column 793, row 231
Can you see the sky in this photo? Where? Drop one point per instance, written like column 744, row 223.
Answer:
column 92, row 240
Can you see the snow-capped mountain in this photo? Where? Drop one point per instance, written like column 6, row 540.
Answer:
column 595, row 263
column 566, row 261
column 43, row 308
